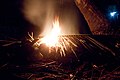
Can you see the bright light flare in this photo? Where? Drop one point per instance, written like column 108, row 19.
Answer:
column 113, row 14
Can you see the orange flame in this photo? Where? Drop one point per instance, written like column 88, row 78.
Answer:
column 52, row 38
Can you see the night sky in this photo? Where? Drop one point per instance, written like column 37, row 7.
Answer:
column 13, row 23
column 107, row 6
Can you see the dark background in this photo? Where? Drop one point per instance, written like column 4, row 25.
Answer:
column 12, row 22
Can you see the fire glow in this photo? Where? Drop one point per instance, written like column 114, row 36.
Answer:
column 54, row 39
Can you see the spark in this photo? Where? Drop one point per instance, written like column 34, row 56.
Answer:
column 54, row 39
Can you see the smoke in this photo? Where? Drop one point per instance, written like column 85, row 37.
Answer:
column 41, row 13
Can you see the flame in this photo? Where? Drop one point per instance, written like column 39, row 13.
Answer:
column 52, row 39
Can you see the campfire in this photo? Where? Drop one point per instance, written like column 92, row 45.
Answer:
column 55, row 39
